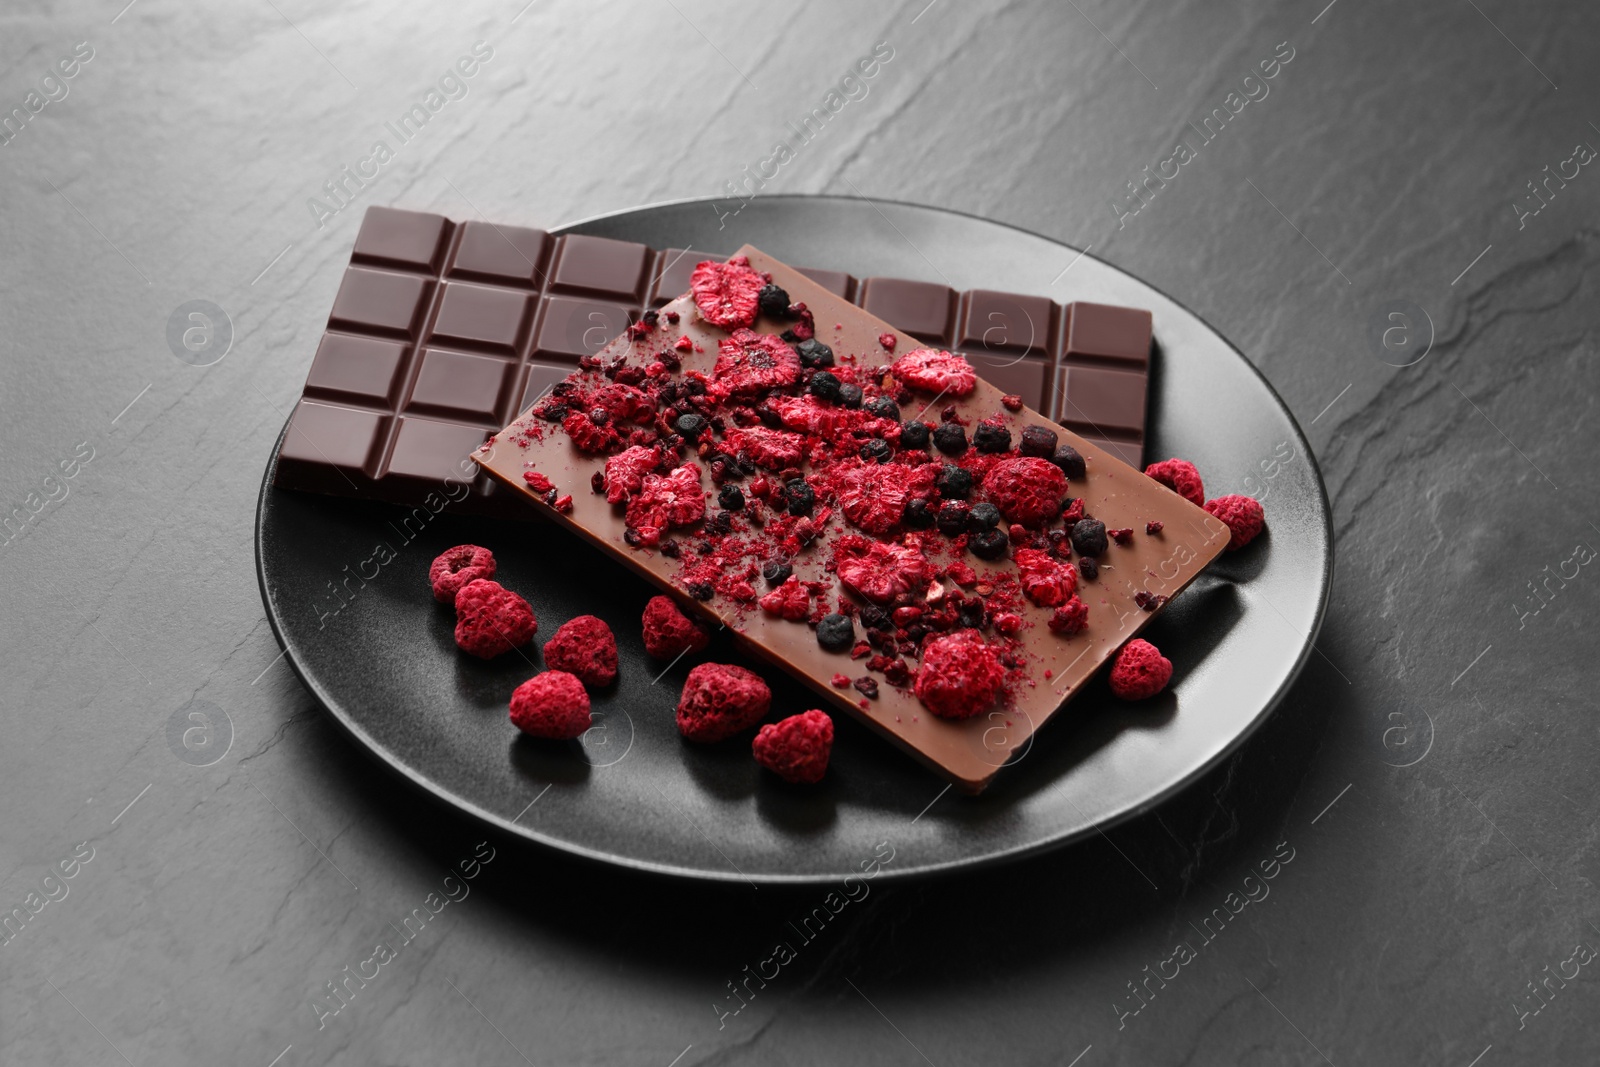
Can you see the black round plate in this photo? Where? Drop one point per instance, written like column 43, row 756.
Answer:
column 632, row 792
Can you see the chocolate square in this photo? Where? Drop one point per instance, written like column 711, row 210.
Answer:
column 1006, row 322
column 380, row 301
column 1102, row 401
column 482, row 316
column 460, row 383
column 332, row 447
column 600, row 265
column 503, row 255
column 1101, row 331
column 410, row 240
column 922, row 309
column 570, row 329
column 355, row 368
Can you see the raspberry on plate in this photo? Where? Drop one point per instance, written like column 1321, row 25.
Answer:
column 960, row 675
column 796, row 749
column 491, row 619
column 585, row 647
column 727, row 294
column 749, row 363
column 1140, row 671
column 936, row 372
column 720, row 700
column 552, row 705
column 1181, row 477
column 1026, row 489
column 1243, row 516
column 455, row 567
column 668, row 632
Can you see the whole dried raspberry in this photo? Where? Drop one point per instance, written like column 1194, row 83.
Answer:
column 625, row 472
column 791, row 600
column 457, row 566
column 585, row 647
column 749, row 363
column 1181, row 477
column 1139, row 671
column 873, row 497
column 668, row 632
column 727, row 294
column 1243, row 516
column 1026, row 489
column 1070, row 618
column 551, row 704
column 960, row 675
column 1046, row 580
column 491, row 619
column 881, row 572
column 936, row 372
column 773, row 449
column 588, row 435
column 664, row 502
column 720, row 700
column 796, row 749
column 888, row 340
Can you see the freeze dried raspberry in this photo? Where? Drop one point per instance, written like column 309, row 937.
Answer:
column 563, row 504
column 1123, row 536
column 491, row 619
column 664, row 502
column 796, row 749
column 625, row 472
column 551, row 704
column 1243, row 516
column 588, row 435
column 623, row 403
column 727, row 294
column 682, row 344
column 1180, row 476
column 720, row 700
column 808, row 415
column 1070, row 618
column 1011, row 402
column 585, row 647
column 1026, row 489
column 873, row 497
column 1139, row 671
column 791, row 600
column 960, row 675
column 457, row 566
column 1046, row 580
column 773, row 449
column 538, row 482
column 888, row 341
column 936, row 371
column 749, row 363
column 1154, row 526
column 668, row 632
column 881, row 572
column 961, row 574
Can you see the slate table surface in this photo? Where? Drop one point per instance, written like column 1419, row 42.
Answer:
column 1431, row 775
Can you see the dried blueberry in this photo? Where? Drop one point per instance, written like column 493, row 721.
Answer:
column 774, row 303
column 1089, row 537
column 824, row 385
column 702, row 590
column 918, row 515
column 971, row 613
column 1089, row 567
column 952, row 517
column 1071, row 463
column 813, row 353
column 989, row 544
column 691, row 426
column 836, row 633
column 876, row 450
column 953, row 482
column 881, row 407
column 875, row 618
column 990, row 437
column 1038, row 441
column 913, row 435
column 984, row 517
column 731, row 497
column 850, row 395
column 950, row 438
column 776, row 571
column 867, row 686
column 800, row 496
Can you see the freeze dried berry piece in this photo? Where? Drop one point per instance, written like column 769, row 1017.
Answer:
column 813, row 353
column 727, row 294
column 720, row 700
column 552, row 705
column 874, row 497
column 1154, row 526
column 936, row 372
column 731, row 497
column 664, row 502
column 824, row 385
column 880, row 572
column 1123, row 536
column 1140, row 671
column 1070, row 619
column 538, row 482
column 1181, row 477
column 791, row 600
column 836, row 633
column 625, row 472
column 888, row 341
column 749, row 363
column 983, row 516
column 1026, row 489
column 1089, row 567
column 1149, row 601
column 867, row 686
column 691, row 425
column 455, row 567
column 796, row 749
column 989, row 544
column 953, row 482
column 914, row 435
column 668, row 632
column 1089, row 537
column 776, row 571
column 588, row 435
column 775, row 450
column 800, row 497
column 875, row 450
column 918, row 516
column 991, row 436
column 952, row 517
column 1011, row 402
column 491, row 619
column 1071, row 463
column 881, row 407
column 1046, row 580
column 774, row 303
column 1243, row 516
column 950, row 438
column 960, row 675
column 1038, row 441
column 584, row 647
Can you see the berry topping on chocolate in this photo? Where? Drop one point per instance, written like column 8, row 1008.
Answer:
column 814, row 353
column 668, row 632
column 989, row 544
column 1027, row 490
column 1243, row 516
column 953, row 482
column 796, row 749
column 664, row 502
column 1089, row 537
column 691, row 425
column 952, row 517
column 791, row 600
column 936, row 371
column 1140, row 671
column 750, row 363
column 888, row 341
column 950, row 438
column 727, row 294
column 774, row 303
column 1071, row 462
column 1089, row 567
column 1046, row 580
column 551, row 705
column 824, row 385
column 881, row 572
column 991, row 436
column 1038, row 441
column 586, row 648
column 984, row 516
column 1181, row 477
column 625, row 472
column 960, row 675
column 918, row 515
column 1122, row 537
column 731, row 497
column 491, row 619
column 1070, row 619
column 882, row 407
column 836, row 633
column 914, row 435
column 850, row 395
column 1154, row 526
column 776, row 571
column 720, row 700
column 801, row 498
column 457, row 566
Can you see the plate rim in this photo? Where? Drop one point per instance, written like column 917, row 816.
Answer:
column 925, row 870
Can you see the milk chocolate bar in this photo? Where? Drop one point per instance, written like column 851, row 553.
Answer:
column 723, row 465
column 441, row 332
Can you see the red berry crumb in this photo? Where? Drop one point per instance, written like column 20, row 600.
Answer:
column 683, row 344
column 1026, row 489
column 960, row 675
column 457, row 566
column 1070, row 618
column 491, row 619
column 727, row 294
column 1180, row 476
column 1140, row 671
column 538, row 482
column 791, row 600
column 936, row 372
column 1046, row 580
column 796, row 749
column 1121, row 537
column 668, row 632
column 1243, row 516
column 551, row 704
column 625, row 472
column 720, row 700
column 888, row 341
column 839, row 681
column 1011, row 402
column 1154, row 526
column 584, row 647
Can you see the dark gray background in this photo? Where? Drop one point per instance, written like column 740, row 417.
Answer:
column 1385, row 162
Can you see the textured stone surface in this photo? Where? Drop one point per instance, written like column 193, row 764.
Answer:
column 1414, row 910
